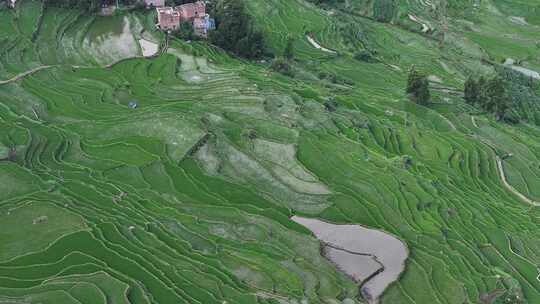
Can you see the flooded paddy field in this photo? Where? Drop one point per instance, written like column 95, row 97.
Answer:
column 372, row 257
column 111, row 39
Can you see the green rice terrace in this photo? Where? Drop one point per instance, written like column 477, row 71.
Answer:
column 140, row 168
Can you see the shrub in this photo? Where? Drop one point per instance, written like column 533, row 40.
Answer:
column 282, row 66
column 471, row 91
column 288, row 53
column 185, row 31
column 331, row 105
column 335, row 78
column 418, row 87
column 364, row 55
column 139, row 6
column 511, row 116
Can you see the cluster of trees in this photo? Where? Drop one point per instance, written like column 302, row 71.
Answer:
column 185, row 31
column 509, row 95
column 418, row 87
column 490, row 95
column 328, row 3
column 235, row 30
column 384, row 10
column 177, row 2
column 365, row 56
column 92, row 5
column 283, row 65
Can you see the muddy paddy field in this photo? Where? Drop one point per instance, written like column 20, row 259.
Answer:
column 371, row 257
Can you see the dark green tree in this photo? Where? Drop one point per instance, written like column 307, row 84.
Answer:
column 482, row 94
column 365, row 56
column 492, row 96
column 384, row 10
column 471, row 91
column 235, row 30
column 288, row 53
column 497, row 97
column 418, row 87
column 282, row 66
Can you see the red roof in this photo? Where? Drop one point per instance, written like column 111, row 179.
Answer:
column 191, row 10
column 168, row 18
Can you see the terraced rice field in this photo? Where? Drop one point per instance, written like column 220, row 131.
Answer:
column 188, row 197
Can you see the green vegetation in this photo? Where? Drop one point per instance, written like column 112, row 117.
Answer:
column 288, row 53
column 235, row 30
column 38, row 223
column 92, row 5
column 185, row 31
column 282, row 66
column 187, row 198
column 418, row 87
column 509, row 95
column 489, row 95
column 384, row 10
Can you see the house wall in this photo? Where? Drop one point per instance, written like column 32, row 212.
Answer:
column 199, row 27
column 190, row 11
column 168, row 19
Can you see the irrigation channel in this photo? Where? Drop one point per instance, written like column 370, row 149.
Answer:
column 371, row 257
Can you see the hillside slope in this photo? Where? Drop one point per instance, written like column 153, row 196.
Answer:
column 187, row 198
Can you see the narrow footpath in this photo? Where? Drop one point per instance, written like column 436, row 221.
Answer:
column 510, row 187
column 502, row 175
column 24, row 74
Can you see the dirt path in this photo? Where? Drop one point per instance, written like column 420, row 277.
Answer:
column 24, row 74
column 502, row 175
column 474, row 121
column 510, row 187
column 316, row 45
